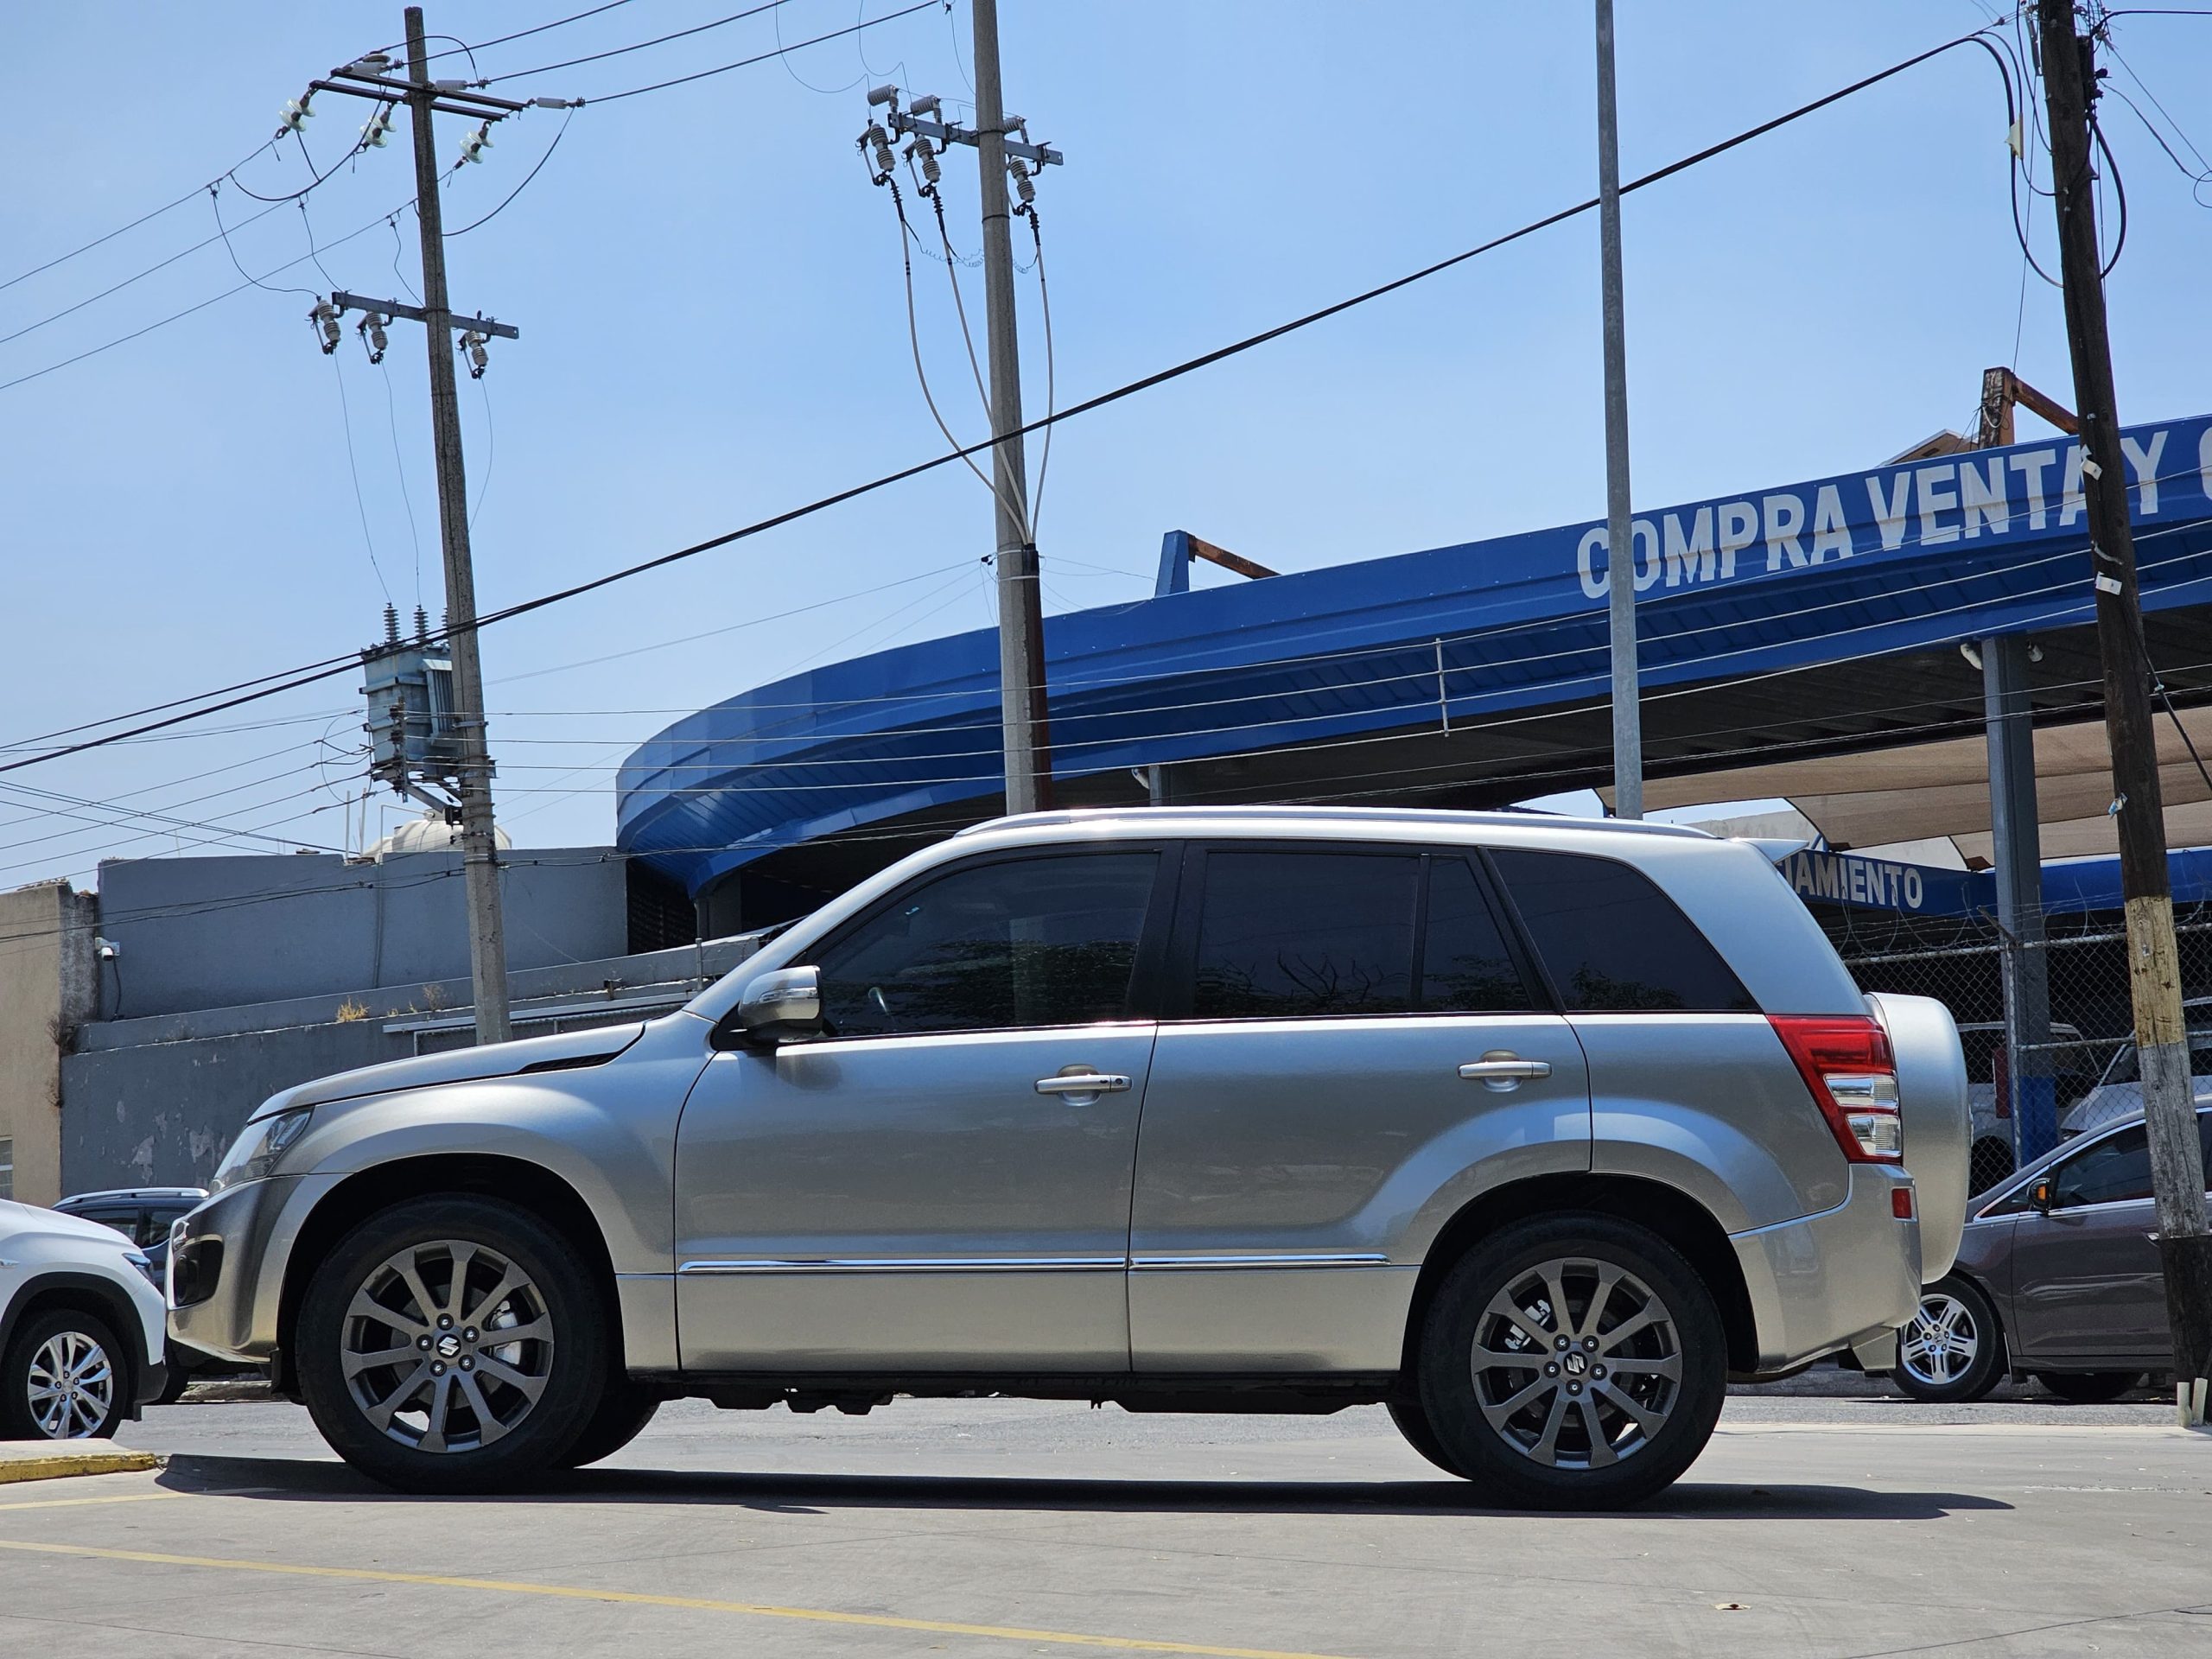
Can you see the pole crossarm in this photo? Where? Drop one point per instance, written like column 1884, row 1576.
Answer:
column 479, row 325
column 456, row 90
column 951, row 132
column 441, row 103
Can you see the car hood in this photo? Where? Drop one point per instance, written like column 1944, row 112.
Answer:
column 569, row 1048
column 18, row 1219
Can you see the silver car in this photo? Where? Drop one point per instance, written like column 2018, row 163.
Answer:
column 1535, row 1130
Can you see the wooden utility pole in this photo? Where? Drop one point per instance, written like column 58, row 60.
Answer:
column 479, row 855
column 2154, row 968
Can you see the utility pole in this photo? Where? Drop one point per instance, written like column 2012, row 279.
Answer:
column 2138, row 810
column 1022, row 617
column 470, row 773
column 1022, row 722
column 1620, row 536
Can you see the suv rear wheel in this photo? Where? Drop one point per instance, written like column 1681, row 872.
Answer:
column 1575, row 1362
column 453, row 1344
column 64, row 1377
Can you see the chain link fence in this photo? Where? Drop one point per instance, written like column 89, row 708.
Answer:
column 1959, row 961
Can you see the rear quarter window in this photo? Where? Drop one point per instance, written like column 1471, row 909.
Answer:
column 1613, row 942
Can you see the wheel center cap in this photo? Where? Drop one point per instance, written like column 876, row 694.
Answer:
column 1575, row 1365
column 448, row 1346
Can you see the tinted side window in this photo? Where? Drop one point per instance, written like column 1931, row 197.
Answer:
column 2114, row 1171
column 1032, row 942
column 1612, row 941
column 1292, row 936
column 1465, row 968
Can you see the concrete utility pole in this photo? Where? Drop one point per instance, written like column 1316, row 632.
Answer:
column 1021, row 621
column 1620, row 536
column 479, row 855
column 2154, row 973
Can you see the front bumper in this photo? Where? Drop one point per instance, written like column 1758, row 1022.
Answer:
column 226, row 1260
column 1821, row 1282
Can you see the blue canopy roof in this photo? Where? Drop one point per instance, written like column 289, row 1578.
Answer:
column 1730, row 589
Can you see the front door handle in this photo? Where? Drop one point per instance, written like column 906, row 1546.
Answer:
column 1083, row 1083
column 1501, row 1069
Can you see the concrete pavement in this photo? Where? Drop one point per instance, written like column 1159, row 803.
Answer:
column 1001, row 1527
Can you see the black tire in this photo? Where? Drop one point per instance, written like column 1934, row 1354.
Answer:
column 97, row 1369
column 1952, row 1310
column 505, row 1436
column 2089, row 1388
column 624, row 1411
column 1412, row 1422
column 175, row 1380
column 1547, row 1453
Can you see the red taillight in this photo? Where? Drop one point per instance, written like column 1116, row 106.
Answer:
column 1901, row 1203
column 1846, row 1063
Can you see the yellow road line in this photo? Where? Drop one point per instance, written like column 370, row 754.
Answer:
column 73, row 1503
column 639, row 1598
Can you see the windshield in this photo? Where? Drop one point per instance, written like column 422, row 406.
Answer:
column 2124, row 1068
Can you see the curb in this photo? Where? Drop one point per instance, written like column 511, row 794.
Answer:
column 60, row 1461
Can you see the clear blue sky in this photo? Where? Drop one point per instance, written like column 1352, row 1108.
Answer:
column 713, row 330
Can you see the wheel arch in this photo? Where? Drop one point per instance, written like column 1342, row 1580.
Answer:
column 518, row 1182
column 1669, row 1212
column 83, row 1292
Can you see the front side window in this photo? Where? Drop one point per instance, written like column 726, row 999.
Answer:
column 2116, row 1170
column 991, row 947
column 1612, row 941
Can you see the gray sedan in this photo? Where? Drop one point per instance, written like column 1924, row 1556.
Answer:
column 2058, row 1278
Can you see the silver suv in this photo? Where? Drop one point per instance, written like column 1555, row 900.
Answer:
column 1535, row 1131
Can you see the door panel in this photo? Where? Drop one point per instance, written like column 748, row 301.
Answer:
column 2088, row 1283
column 1303, row 1149
column 910, row 1202
column 2086, row 1278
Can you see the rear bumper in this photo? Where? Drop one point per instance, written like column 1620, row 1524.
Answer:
column 1821, row 1282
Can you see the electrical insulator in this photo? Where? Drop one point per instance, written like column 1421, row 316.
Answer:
column 324, row 319
column 1023, row 186
column 473, row 343
column 928, row 105
column 477, row 144
column 370, row 329
column 919, row 149
column 377, row 128
column 296, row 112
column 880, row 141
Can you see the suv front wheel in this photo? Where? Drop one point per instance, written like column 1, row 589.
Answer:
column 452, row 1344
column 1573, row 1363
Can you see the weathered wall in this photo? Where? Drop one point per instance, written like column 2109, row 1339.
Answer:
column 217, row 932
column 157, row 1101
column 45, row 992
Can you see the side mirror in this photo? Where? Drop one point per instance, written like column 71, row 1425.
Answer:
column 2042, row 1194
column 784, row 1003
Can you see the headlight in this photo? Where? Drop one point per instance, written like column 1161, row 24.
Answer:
column 256, row 1151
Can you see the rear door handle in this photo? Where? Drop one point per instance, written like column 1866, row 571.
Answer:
column 1084, row 1083
column 1503, row 1071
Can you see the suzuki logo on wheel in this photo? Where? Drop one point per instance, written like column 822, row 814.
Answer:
column 1576, row 1365
column 448, row 1346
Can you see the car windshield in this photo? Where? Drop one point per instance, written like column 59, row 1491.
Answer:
column 2124, row 1068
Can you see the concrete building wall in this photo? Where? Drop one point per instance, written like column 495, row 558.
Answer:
column 157, row 1101
column 46, row 991
column 216, row 932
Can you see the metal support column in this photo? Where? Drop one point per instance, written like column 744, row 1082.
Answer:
column 2006, row 711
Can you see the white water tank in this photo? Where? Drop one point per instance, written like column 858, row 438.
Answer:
column 430, row 834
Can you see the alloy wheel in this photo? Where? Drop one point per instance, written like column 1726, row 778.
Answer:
column 1940, row 1342
column 1577, row 1364
column 446, row 1346
column 72, row 1383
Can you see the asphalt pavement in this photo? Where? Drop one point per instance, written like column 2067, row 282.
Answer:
column 1834, row 1519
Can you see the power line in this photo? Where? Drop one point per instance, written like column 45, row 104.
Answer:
column 745, row 63
column 639, row 46
column 145, row 217
column 560, row 133
column 285, row 680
